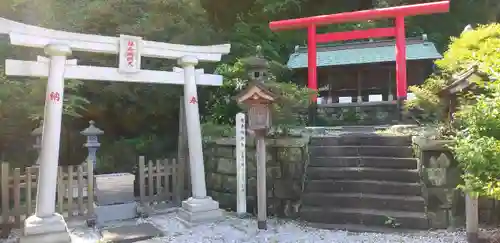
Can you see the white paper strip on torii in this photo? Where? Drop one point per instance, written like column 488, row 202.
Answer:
column 73, row 71
column 38, row 37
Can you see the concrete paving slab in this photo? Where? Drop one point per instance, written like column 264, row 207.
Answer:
column 130, row 233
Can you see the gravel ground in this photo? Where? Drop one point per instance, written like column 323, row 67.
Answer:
column 234, row 230
column 283, row 231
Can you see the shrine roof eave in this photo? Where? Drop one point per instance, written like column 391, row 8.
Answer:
column 466, row 80
column 349, row 54
column 262, row 87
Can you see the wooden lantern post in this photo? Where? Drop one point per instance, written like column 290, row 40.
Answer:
column 257, row 99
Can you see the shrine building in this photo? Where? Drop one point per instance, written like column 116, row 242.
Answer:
column 363, row 74
column 364, row 71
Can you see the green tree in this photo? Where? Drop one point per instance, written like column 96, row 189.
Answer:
column 477, row 47
column 477, row 140
column 221, row 112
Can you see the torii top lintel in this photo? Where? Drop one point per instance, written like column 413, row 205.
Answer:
column 372, row 14
column 34, row 36
column 398, row 13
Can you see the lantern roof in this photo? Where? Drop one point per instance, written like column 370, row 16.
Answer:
column 91, row 130
column 255, row 62
column 256, row 92
column 38, row 130
column 466, row 80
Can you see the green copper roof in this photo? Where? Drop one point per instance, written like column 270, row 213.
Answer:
column 362, row 53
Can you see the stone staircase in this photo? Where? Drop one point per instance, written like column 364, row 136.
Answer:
column 363, row 182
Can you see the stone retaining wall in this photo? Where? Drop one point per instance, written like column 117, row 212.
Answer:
column 440, row 175
column 355, row 114
column 286, row 160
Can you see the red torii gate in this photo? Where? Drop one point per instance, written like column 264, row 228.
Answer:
column 399, row 13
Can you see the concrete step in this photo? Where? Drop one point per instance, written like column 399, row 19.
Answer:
column 131, row 233
column 369, row 217
column 363, row 200
column 362, row 228
column 363, row 186
column 378, row 162
column 362, row 173
column 358, row 139
column 350, row 151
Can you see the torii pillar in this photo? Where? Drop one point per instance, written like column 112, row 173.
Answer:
column 397, row 13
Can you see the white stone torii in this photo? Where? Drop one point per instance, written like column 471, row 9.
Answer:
column 46, row 225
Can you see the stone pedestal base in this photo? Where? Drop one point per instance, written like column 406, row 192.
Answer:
column 51, row 229
column 107, row 213
column 196, row 211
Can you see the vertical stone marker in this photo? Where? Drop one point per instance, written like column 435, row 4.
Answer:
column 241, row 177
column 46, row 225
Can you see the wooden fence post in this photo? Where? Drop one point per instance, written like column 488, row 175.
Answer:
column 177, row 184
column 184, row 181
column 29, row 188
column 142, row 193
column 79, row 174
column 16, row 188
column 5, row 192
column 61, row 188
column 471, row 217
column 158, row 177
column 69, row 189
column 150, row 181
column 90, row 189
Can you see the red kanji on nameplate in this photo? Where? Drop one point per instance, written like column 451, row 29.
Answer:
column 193, row 100
column 54, row 97
column 130, row 54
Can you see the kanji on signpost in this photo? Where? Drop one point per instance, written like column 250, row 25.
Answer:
column 193, row 100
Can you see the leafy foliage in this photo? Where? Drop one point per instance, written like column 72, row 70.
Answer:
column 144, row 118
column 478, row 47
column 21, row 109
column 222, row 110
column 477, row 123
column 477, row 147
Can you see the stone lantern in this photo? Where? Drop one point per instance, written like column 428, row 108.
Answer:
column 92, row 133
column 37, row 133
column 256, row 66
column 257, row 99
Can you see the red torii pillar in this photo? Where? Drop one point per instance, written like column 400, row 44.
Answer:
column 398, row 13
